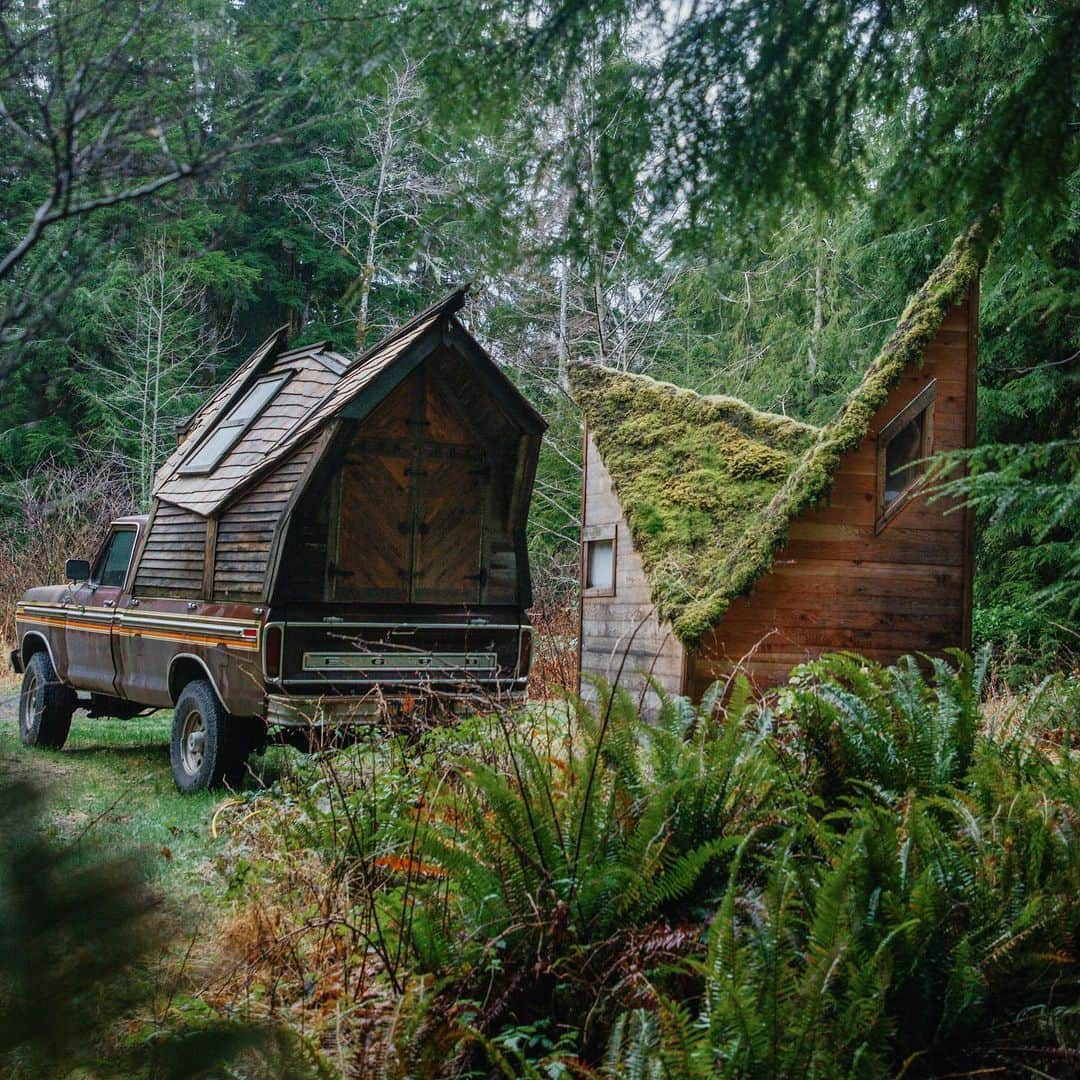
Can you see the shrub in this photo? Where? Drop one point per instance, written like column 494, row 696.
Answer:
column 59, row 513
column 922, row 921
column 862, row 877
column 887, row 729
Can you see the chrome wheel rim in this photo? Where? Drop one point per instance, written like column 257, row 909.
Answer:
column 26, row 702
column 193, row 742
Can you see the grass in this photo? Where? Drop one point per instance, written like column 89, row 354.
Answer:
column 112, row 785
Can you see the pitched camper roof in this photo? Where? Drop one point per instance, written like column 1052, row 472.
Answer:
column 708, row 485
column 313, row 386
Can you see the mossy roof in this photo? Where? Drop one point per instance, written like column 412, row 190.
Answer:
column 708, row 485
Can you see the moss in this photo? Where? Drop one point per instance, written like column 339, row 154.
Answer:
column 709, row 485
column 691, row 472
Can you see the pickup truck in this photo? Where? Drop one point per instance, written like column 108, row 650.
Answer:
column 235, row 674
column 331, row 541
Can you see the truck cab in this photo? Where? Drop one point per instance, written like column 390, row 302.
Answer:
column 330, row 544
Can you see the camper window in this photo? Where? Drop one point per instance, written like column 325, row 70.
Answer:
column 904, row 443
column 227, row 432
column 599, row 557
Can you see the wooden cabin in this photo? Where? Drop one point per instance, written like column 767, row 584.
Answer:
column 400, row 479
column 715, row 535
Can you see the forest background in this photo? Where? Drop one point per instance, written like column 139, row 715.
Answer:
column 735, row 197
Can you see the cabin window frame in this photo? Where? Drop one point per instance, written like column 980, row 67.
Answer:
column 242, row 426
column 590, row 535
column 921, row 405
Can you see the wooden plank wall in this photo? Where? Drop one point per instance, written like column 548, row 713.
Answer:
column 608, row 623
column 383, row 444
column 246, row 530
column 837, row 585
column 174, row 556
column 504, row 580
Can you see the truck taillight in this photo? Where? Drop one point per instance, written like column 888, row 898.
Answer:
column 524, row 651
column 272, row 652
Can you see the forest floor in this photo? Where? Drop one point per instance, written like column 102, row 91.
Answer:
column 111, row 787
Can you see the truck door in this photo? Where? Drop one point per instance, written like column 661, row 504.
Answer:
column 90, row 614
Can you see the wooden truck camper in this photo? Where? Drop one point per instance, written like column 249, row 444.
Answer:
column 715, row 535
column 329, row 540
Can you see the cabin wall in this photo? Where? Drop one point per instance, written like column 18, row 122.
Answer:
column 173, row 557
column 245, row 530
column 836, row 585
column 622, row 630
column 412, row 504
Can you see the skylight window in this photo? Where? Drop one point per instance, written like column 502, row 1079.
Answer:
column 226, row 434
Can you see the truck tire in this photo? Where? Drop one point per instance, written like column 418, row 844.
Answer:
column 45, row 705
column 208, row 746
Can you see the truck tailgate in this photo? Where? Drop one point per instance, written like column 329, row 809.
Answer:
column 342, row 654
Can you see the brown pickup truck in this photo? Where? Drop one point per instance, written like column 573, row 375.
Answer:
column 331, row 542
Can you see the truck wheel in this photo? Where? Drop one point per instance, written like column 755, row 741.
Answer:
column 201, row 749
column 45, row 705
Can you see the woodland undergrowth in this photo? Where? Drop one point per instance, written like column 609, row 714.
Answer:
column 868, row 873
column 60, row 513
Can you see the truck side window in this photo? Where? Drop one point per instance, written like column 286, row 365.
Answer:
column 113, row 565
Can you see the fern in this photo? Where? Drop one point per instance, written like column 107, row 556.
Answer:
column 557, row 866
column 886, row 729
column 920, row 916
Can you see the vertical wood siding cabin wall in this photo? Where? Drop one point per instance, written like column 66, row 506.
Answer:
column 815, row 543
column 622, row 638
column 404, row 477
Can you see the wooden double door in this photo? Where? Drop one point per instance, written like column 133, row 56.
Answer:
column 411, row 499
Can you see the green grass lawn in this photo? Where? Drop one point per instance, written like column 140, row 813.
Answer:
column 111, row 787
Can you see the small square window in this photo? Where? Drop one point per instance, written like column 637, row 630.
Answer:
column 599, row 561
column 601, row 565
column 902, row 459
column 904, row 443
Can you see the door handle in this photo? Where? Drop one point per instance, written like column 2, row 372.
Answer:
column 108, row 603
